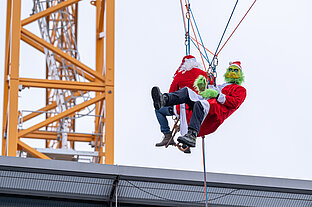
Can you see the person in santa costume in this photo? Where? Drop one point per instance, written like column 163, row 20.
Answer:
column 185, row 76
column 210, row 106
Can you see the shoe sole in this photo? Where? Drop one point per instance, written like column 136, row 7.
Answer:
column 183, row 141
column 187, row 151
column 156, row 97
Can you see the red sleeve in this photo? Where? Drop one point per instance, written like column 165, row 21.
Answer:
column 174, row 85
column 204, row 74
column 234, row 99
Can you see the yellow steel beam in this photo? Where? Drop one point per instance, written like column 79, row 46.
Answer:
column 6, row 73
column 61, row 115
column 34, row 114
column 32, row 151
column 14, row 75
column 57, row 58
column 53, row 136
column 47, row 108
column 100, row 7
column 109, row 82
column 59, row 84
column 48, row 11
column 63, row 54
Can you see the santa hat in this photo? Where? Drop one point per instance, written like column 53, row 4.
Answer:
column 188, row 62
column 236, row 63
column 187, row 58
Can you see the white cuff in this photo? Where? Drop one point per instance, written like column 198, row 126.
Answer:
column 221, row 99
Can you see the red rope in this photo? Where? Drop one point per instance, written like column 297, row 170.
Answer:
column 236, row 27
column 201, row 56
column 183, row 15
column 202, row 46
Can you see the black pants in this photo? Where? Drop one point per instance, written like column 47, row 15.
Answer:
column 182, row 96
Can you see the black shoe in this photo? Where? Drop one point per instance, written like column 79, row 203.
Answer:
column 165, row 140
column 189, row 139
column 158, row 98
column 187, row 149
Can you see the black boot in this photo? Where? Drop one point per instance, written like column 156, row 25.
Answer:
column 165, row 140
column 159, row 99
column 186, row 148
column 189, row 139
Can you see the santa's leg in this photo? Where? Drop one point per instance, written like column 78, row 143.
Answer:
column 161, row 115
column 197, row 119
column 170, row 99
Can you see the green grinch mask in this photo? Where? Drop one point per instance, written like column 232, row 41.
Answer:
column 234, row 75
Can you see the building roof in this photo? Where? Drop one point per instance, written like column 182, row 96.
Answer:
column 148, row 186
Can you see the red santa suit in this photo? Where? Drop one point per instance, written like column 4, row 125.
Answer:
column 231, row 96
column 185, row 76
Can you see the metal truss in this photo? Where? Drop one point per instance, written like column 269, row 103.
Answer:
column 73, row 90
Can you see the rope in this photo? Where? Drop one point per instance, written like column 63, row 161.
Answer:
column 185, row 30
column 183, row 16
column 201, row 55
column 188, row 36
column 199, row 34
column 188, row 30
column 202, row 46
column 224, row 32
column 237, row 26
column 198, row 49
column 204, row 164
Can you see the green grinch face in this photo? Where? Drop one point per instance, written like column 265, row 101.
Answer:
column 234, row 75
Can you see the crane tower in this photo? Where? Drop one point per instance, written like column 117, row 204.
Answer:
column 74, row 92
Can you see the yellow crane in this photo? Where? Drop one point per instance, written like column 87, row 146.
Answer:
column 70, row 85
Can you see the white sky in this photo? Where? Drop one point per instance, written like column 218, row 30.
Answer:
column 268, row 136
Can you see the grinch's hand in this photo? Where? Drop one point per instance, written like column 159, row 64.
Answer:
column 200, row 83
column 209, row 93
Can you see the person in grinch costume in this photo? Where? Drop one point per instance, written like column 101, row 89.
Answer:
column 210, row 106
column 184, row 76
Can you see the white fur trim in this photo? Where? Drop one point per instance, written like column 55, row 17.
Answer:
column 183, row 121
column 189, row 64
column 195, row 97
column 221, row 99
column 236, row 65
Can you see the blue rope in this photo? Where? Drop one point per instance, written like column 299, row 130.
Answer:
column 183, row 24
column 199, row 50
column 224, row 32
column 204, row 161
column 183, row 16
column 199, row 34
column 188, row 32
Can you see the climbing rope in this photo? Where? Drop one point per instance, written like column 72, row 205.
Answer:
column 204, row 164
column 186, row 18
column 202, row 43
column 225, row 30
column 237, row 26
column 212, row 73
column 186, row 27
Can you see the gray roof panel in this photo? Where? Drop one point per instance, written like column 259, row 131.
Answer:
column 150, row 186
